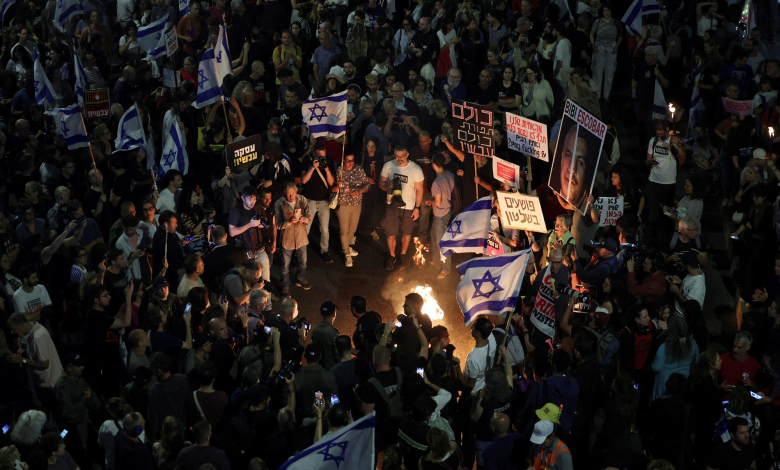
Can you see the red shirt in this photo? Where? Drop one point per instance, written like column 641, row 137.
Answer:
column 642, row 345
column 731, row 370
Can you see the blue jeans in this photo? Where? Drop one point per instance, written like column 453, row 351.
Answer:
column 323, row 213
column 300, row 256
column 261, row 257
column 438, row 228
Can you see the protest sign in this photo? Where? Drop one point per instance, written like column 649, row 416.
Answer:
column 521, row 212
column 171, row 79
column 507, row 172
column 740, row 108
column 610, row 209
column 472, row 125
column 526, row 136
column 243, row 154
column 171, row 42
column 97, row 102
column 494, row 245
column 576, row 155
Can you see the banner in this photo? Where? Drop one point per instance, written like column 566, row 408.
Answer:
column 171, row 79
column 577, row 154
column 507, row 172
column 543, row 314
column 610, row 209
column 171, row 42
column 740, row 108
column 472, row 125
column 98, row 103
column 527, row 137
column 521, row 212
column 494, row 245
column 244, row 153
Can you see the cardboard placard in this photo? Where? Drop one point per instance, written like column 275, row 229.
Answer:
column 610, row 209
column 521, row 212
column 506, row 171
column 577, row 154
column 244, row 154
column 97, row 102
column 171, row 42
column 527, row 137
column 740, row 108
column 472, row 125
column 494, row 245
column 171, row 79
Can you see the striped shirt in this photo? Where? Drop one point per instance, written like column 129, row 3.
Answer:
column 94, row 76
column 497, row 36
column 76, row 274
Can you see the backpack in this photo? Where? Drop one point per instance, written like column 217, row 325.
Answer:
column 607, row 347
column 456, row 201
column 394, row 403
column 674, row 45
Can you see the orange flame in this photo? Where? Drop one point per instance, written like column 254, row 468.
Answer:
column 419, row 247
column 430, row 305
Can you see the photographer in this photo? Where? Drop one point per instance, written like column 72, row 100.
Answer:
column 240, row 282
column 654, row 285
column 246, row 224
column 594, row 273
column 291, row 337
column 317, row 190
column 686, row 239
column 690, row 288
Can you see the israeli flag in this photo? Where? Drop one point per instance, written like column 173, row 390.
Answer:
column 70, row 126
column 150, row 37
column 468, row 232
column 659, row 102
column 64, row 10
column 5, row 6
column 209, row 81
column 491, row 285
column 633, row 17
column 150, row 150
column 81, row 76
column 44, row 92
column 222, row 53
column 184, row 8
column 326, row 117
column 693, row 115
column 351, row 446
column 130, row 132
column 174, row 154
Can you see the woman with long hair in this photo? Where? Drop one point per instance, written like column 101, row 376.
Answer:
column 102, row 133
column 442, row 452
column 326, row 87
column 676, row 355
column 299, row 35
column 538, row 99
column 606, row 35
column 401, row 41
column 171, row 441
column 510, row 93
column 357, row 45
column 660, row 311
column 623, row 187
column 756, row 258
column 372, row 160
column 692, row 204
column 129, row 49
column 418, row 92
column 117, row 409
column 616, row 299
column 21, row 64
column 191, row 214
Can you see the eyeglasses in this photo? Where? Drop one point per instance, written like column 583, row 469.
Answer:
column 81, row 255
column 148, row 209
column 349, row 161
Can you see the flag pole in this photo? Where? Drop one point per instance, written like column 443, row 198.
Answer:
column 227, row 121
column 89, row 145
column 476, row 185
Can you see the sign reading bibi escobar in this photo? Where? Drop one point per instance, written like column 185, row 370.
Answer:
column 521, row 212
column 543, row 314
column 472, row 125
column 244, row 154
column 526, row 136
column 576, row 155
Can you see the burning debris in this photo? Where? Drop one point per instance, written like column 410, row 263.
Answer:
column 430, row 306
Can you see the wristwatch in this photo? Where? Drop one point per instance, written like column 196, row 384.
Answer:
column 417, row 207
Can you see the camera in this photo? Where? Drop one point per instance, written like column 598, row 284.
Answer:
column 574, row 294
column 634, row 251
column 286, row 371
column 263, row 222
column 321, row 161
column 300, row 322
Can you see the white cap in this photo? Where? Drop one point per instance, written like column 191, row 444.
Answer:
column 759, row 154
column 542, row 429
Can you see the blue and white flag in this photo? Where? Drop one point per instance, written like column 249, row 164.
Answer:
column 4, row 8
column 693, row 116
column 184, row 8
column 326, row 117
column 209, row 81
column 659, row 102
column 222, row 53
column 81, row 76
column 44, row 92
column 468, row 232
column 70, row 126
column 151, row 37
column 491, row 285
column 64, row 10
column 351, row 446
column 633, row 17
column 130, row 133
column 174, row 155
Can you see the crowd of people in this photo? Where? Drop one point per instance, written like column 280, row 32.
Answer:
column 159, row 339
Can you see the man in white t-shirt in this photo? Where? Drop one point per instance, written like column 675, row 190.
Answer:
column 692, row 287
column 403, row 181
column 168, row 196
column 38, row 354
column 662, row 155
column 562, row 58
column 31, row 298
column 480, row 359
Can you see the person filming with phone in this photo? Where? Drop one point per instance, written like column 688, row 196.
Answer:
column 738, row 368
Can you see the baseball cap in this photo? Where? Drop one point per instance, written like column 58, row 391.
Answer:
column 73, row 359
column 313, row 351
column 159, row 282
column 549, row 412
column 759, row 154
column 542, row 429
column 200, row 339
column 610, row 244
column 601, row 315
column 328, row 308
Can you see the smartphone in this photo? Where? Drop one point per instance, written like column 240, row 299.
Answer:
column 668, row 278
column 267, row 330
column 187, row 308
column 734, row 237
column 397, row 324
column 755, row 395
column 725, row 404
column 197, row 190
column 334, row 399
column 80, row 220
column 318, row 398
column 421, row 372
column 306, row 326
column 64, row 433
column 224, row 300
column 6, row 428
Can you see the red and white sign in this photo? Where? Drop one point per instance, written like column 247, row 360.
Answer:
column 527, row 137
column 610, row 209
column 494, row 245
column 543, row 315
column 740, row 108
column 171, row 42
column 507, row 172
column 97, row 103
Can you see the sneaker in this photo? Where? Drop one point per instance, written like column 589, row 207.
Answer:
column 352, row 252
column 390, row 265
column 303, row 283
column 352, row 242
column 286, row 291
column 441, row 275
column 326, row 257
column 348, row 261
column 405, row 261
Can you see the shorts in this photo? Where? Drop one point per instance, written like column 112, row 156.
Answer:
column 395, row 217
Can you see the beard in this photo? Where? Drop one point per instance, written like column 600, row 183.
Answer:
column 453, row 84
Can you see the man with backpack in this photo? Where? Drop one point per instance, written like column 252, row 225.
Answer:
column 382, row 394
column 442, row 191
column 663, row 155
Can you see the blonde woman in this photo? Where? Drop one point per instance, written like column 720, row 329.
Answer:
column 103, row 134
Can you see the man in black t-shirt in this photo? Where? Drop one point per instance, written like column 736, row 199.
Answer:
column 101, row 336
column 736, row 454
column 115, row 277
column 317, row 180
column 484, row 92
column 389, row 380
column 9, row 242
column 291, row 114
column 245, row 224
column 265, row 207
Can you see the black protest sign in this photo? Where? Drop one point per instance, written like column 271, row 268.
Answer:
column 244, row 154
column 472, row 126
